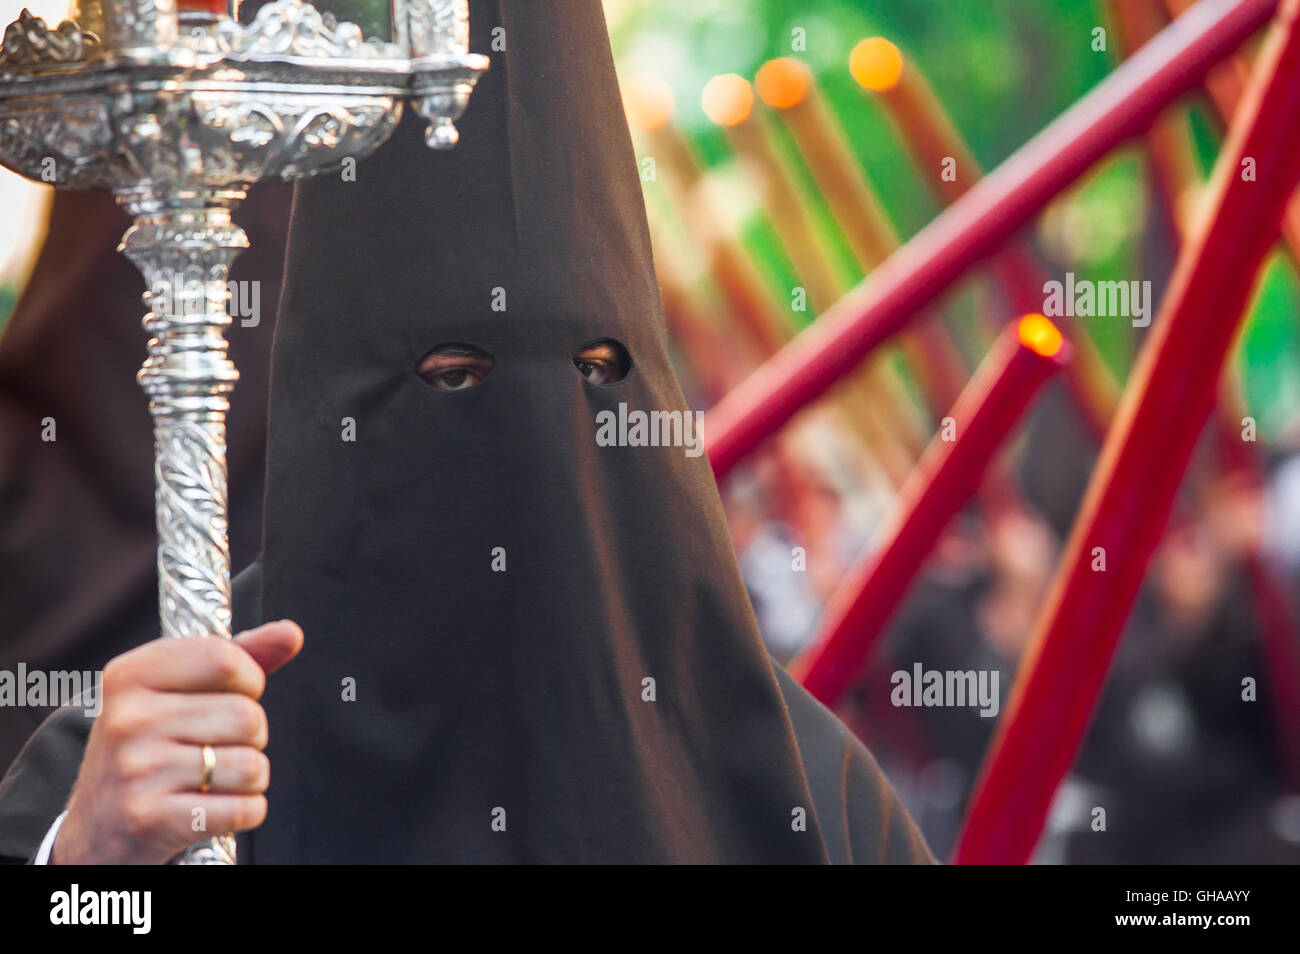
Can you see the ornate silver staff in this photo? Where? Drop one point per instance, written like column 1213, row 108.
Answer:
column 177, row 115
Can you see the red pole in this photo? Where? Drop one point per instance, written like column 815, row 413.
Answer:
column 948, row 474
column 1172, row 160
column 1223, row 84
column 1172, row 390
column 977, row 224
column 932, row 140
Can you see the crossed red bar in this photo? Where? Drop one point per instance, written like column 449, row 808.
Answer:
column 1165, row 406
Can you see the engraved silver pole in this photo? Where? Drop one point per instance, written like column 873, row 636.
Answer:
column 185, row 255
column 184, row 245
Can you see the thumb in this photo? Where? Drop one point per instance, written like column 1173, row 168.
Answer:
column 272, row 644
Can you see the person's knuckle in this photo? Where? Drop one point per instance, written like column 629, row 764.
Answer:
column 249, row 812
column 245, row 771
column 247, row 717
column 256, row 728
column 114, row 727
column 118, row 674
column 220, row 660
column 137, row 762
column 126, row 721
column 138, row 814
column 257, row 772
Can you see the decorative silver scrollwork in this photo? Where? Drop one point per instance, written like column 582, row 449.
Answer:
column 64, row 148
column 29, row 42
column 139, row 26
column 295, row 28
column 438, row 27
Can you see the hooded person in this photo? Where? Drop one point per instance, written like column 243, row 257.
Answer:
column 523, row 645
column 78, row 552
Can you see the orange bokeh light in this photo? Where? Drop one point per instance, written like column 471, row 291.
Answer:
column 783, row 83
column 648, row 102
column 1040, row 336
column 727, row 99
column 876, row 64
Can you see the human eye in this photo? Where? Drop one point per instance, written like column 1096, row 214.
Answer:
column 455, row 367
column 604, row 361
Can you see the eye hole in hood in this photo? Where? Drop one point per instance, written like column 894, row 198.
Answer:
column 603, row 362
column 455, row 366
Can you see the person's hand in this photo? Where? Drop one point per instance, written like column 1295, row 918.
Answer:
column 138, row 797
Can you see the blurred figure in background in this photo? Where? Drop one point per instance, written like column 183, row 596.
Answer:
column 1178, row 745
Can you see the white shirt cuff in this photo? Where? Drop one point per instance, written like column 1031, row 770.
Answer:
column 43, row 856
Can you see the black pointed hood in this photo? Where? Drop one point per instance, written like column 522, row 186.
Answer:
column 485, row 589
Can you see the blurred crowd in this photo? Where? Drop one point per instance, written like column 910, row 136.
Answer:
column 1184, row 760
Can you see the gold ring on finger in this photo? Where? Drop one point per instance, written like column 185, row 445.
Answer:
column 209, row 768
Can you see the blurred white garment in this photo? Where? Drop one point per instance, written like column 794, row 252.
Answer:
column 1282, row 514
column 784, row 603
